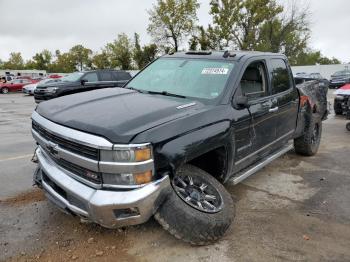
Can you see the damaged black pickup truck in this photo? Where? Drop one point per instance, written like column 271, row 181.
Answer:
column 165, row 143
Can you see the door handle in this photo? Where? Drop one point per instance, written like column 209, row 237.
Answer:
column 274, row 109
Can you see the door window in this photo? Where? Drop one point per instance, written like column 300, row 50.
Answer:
column 91, row 77
column 281, row 80
column 122, row 76
column 253, row 82
column 106, row 76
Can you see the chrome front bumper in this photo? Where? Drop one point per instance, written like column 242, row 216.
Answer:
column 108, row 208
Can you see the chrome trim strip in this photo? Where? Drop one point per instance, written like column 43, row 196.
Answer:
column 131, row 146
column 67, row 172
column 259, row 166
column 264, row 147
column 72, row 134
column 102, row 166
column 186, row 105
column 101, row 203
column 132, row 167
column 67, row 155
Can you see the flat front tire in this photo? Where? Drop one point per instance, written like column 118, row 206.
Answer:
column 198, row 210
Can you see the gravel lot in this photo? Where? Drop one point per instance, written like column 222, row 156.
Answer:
column 295, row 209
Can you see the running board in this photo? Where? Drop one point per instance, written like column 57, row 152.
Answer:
column 261, row 164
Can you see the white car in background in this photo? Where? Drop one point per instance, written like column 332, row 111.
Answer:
column 29, row 89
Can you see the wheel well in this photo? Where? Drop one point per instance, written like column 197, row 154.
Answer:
column 214, row 162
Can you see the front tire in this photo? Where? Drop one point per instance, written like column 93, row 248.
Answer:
column 309, row 142
column 4, row 90
column 198, row 210
column 348, row 126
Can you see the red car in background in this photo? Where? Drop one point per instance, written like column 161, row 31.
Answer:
column 15, row 85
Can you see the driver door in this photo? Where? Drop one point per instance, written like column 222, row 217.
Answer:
column 255, row 128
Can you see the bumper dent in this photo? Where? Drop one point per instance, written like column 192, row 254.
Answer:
column 101, row 206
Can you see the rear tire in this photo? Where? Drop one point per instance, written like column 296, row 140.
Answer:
column 186, row 220
column 338, row 108
column 4, row 90
column 309, row 142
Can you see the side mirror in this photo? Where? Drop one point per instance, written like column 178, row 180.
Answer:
column 242, row 101
column 83, row 81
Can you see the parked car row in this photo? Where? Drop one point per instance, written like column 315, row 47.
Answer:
column 15, row 85
column 340, row 78
column 81, row 82
column 56, row 86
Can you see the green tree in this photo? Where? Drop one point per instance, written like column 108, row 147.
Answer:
column 143, row 55
column 237, row 22
column 205, row 39
column 171, row 21
column 309, row 57
column 288, row 33
column 120, row 52
column 15, row 61
column 100, row 60
column 30, row 64
column 41, row 61
column 81, row 56
column 64, row 63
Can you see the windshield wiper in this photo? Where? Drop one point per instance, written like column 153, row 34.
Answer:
column 134, row 89
column 164, row 93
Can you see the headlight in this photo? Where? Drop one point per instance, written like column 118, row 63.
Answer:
column 338, row 97
column 127, row 154
column 127, row 179
column 51, row 89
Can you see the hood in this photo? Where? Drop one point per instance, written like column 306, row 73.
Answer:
column 57, row 84
column 30, row 86
column 340, row 77
column 117, row 114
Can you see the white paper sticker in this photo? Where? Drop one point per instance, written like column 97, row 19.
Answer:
column 215, row 71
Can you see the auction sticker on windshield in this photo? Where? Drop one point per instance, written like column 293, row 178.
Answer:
column 215, row 71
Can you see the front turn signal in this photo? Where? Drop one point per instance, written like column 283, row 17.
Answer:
column 143, row 178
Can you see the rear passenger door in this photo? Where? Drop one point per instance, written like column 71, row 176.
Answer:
column 284, row 92
column 121, row 77
column 107, row 79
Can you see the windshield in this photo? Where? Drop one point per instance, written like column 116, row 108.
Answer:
column 340, row 73
column 45, row 81
column 195, row 78
column 72, row 77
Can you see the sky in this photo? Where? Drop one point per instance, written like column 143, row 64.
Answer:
column 29, row 26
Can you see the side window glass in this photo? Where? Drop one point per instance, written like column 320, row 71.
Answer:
column 106, row 76
column 253, row 82
column 280, row 76
column 91, row 77
column 122, row 76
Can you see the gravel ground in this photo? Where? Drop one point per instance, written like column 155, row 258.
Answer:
column 295, row 209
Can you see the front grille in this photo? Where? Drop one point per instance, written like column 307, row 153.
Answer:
column 74, row 147
column 76, row 170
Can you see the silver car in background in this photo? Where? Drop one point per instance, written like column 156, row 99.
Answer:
column 29, row 89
